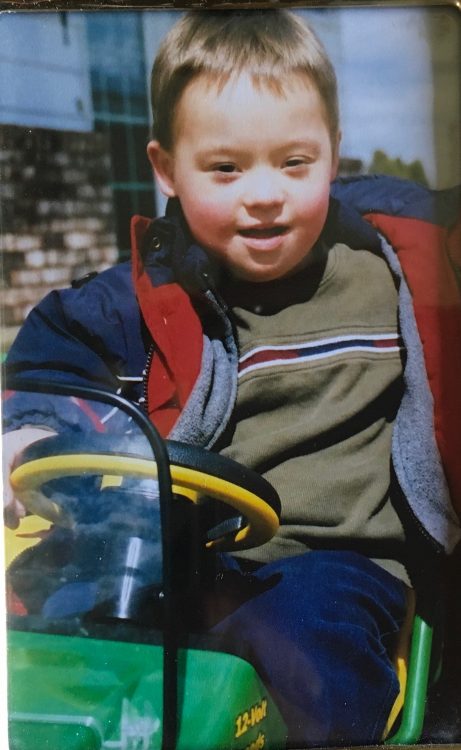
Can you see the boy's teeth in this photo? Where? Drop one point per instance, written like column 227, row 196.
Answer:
column 263, row 233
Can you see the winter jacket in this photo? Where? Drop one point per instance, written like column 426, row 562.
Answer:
column 156, row 330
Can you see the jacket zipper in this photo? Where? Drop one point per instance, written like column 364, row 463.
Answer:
column 143, row 401
column 437, row 548
column 433, row 543
column 218, row 305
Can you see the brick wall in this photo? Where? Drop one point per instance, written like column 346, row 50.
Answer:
column 56, row 214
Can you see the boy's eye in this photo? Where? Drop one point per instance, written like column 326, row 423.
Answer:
column 226, row 168
column 296, row 161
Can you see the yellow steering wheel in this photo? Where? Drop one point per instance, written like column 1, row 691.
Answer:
column 196, row 474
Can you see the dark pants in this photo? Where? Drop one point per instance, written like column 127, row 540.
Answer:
column 320, row 637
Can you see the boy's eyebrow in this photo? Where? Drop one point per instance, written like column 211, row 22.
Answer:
column 306, row 146
column 309, row 144
column 219, row 148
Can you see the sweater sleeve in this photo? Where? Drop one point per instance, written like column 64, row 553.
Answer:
column 83, row 337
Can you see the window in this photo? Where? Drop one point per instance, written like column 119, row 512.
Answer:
column 119, row 88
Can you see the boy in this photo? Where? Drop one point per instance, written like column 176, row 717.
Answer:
column 265, row 328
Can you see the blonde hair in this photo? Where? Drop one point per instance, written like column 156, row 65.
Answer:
column 271, row 44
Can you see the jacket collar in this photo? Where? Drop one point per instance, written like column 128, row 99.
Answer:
column 169, row 253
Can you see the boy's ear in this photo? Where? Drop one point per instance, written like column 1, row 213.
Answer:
column 335, row 159
column 162, row 164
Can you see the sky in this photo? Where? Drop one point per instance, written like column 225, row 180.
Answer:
column 382, row 59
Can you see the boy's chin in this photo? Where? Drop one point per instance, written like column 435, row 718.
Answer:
column 265, row 274
column 257, row 278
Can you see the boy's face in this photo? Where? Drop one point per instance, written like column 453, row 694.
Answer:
column 252, row 170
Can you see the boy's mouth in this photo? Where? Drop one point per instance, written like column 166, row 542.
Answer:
column 263, row 233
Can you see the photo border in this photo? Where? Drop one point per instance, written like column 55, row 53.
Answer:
column 51, row 6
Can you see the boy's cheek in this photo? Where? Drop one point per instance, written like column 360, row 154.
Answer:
column 206, row 217
column 316, row 206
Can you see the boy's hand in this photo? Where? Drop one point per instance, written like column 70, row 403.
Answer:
column 13, row 444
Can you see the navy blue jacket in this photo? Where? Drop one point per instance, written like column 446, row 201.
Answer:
column 157, row 331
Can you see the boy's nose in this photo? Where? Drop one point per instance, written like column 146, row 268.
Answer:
column 263, row 189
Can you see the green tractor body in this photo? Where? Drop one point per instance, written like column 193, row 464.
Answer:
column 80, row 693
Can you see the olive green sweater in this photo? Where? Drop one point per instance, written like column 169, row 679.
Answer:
column 319, row 383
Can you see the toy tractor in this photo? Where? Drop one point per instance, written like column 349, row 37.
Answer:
column 113, row 588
